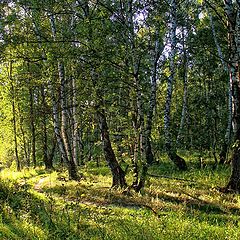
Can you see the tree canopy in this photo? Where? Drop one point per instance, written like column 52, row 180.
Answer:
column 126, row 81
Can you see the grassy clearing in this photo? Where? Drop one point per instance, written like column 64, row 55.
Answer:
column 36, row 204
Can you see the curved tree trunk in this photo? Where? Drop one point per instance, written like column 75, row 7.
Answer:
column 171, row 150
column 118, row 175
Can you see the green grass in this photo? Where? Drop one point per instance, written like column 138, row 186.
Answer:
column 36, row 204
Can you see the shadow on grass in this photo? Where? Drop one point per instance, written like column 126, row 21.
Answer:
column 24, row 215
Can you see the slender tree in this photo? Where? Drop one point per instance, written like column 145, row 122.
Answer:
column 171, row 150
column 232, row 11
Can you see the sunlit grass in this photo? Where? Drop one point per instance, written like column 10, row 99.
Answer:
column 37, row 204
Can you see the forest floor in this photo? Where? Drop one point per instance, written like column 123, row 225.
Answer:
column 37, row 204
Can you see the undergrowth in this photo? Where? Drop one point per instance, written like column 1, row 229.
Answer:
column 37, row 204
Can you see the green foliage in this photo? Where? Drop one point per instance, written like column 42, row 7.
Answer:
column 100, row 50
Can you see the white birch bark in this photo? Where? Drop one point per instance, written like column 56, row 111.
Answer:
column 172, row 35
column 185, row 92
column 170, row 148
column 59, row 127
column 223, row 154
column 139, row 118
column 158, row 48
column 147, row 150
column 75, row 122
column 233, row 16
column 74, row 102
column 63, row 98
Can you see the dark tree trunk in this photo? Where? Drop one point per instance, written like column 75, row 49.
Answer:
column 46, row 159
column 32, row 127
column 148, row 152
column 234, row 181
column 135, row 161
column 25, row 146
column 223, row 153
column 49, row 162
column 14, row 118
column 15, row 134
column 143, row 177
column 118, row 175
column 177, row 160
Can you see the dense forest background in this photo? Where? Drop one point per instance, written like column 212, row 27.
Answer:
column 124, row 80
column 119, row 119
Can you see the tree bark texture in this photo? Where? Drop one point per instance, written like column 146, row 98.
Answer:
column 233, row 17
column 171, row 151
column 75, row 122
column 185, row 93
column 118, row 175
column 227, row 138
column 152, row 102
column 138, row 119
column 61, row 128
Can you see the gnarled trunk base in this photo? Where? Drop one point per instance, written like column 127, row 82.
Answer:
column 149, row 154
column 177, row 160
column 72, row 171
column 118, row 177
column 234, row 181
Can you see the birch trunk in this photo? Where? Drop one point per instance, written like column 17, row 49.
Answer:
column 118, row 175
column 15, row 133
column 74, row 97
column 25, row 145
column 61, row 130
column 170, row 148
column 185, row 93
column 149, row 158
column 139, row 116
column 75, row 122
column 227, row 138
column 233, row 16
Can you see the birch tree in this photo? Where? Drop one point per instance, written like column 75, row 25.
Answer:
column 232, row 11
column 170, row 148
column 63, row 137
column 118, row 175
column 227, row 138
